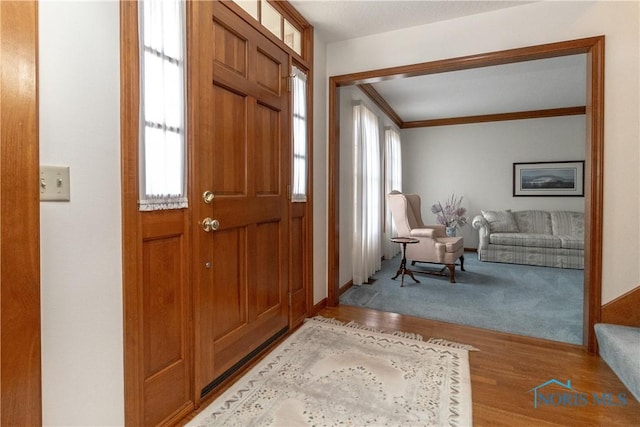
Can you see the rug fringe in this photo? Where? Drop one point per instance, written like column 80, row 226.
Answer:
column 401, row 334
column 408, row 335
column 356, row 325
column 329, row 320
column 452, row 344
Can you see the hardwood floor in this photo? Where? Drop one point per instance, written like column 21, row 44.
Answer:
column 505, row 369
column 508, row 366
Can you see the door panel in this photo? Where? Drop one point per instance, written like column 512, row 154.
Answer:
column 298, row 272
column 268, row 72
column 230, row 283
column 241, row 150
column 267, row 159
column 162, row 314
column 267, row 276
column 230, row 49
column 230, row 147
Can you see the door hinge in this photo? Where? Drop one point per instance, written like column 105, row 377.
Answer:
column 289, row 191
column 290, row 82
column 289, row 299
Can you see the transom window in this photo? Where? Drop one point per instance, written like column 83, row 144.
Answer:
column 263, row 12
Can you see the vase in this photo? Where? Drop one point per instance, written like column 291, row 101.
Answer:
column 451, row 231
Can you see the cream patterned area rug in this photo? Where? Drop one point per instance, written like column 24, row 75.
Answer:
column 327, row 373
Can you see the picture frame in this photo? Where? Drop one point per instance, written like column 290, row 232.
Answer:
column 549, row 179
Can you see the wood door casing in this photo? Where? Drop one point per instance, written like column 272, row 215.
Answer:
column 20, row 336
column 240, row 143
column 594, row 49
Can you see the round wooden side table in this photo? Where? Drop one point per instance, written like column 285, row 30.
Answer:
column 404, row 241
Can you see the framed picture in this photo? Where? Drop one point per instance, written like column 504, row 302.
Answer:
column 549, row 179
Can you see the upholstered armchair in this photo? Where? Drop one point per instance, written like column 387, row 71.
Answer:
column 434, row 246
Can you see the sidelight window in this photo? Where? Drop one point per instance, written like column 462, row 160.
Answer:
column 299, row 131
column 162, row 105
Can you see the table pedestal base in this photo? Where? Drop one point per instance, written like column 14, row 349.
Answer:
column 403, row 267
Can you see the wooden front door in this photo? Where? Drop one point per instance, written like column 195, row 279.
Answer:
column 240, row 140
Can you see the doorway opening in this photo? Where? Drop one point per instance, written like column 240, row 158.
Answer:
column 593, row 188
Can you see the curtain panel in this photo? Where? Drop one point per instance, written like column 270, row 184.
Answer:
column 392, row 181
column 367, row 189
column 300, row 159
column 162, row 105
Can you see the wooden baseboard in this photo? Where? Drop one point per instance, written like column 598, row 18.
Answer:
column 319, row 306
column 344, row 288
column 324, row 302
column 623, row 310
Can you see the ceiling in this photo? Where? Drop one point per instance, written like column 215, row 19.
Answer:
column 525, row 86
column 336, row 20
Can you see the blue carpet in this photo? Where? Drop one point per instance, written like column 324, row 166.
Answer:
column 520, row 299
column 620, row 348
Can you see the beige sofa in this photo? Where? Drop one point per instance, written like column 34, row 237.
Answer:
column 533, row 237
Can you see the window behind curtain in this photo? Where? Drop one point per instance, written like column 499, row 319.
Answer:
column 299, row 129
column 392, row 181
column 162, row 105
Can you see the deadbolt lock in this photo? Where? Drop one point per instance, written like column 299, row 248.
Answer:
column 207, row 196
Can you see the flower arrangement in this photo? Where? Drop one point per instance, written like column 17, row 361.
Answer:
column 451, row 214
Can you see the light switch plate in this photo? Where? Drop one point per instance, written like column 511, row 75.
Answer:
column 55, row 183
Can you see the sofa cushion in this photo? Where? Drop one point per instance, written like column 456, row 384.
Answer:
column 570, row 242
column 568, row 223
column 535, row 222
column 525, row 239
column 500, row 221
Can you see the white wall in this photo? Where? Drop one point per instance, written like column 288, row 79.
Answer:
column 349, row 95
column 82, row 335
column 533, row 24
column 476, row 161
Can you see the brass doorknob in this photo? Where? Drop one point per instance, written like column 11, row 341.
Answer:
column 209, row 224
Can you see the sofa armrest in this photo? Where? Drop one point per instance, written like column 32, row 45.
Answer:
column 481, row 224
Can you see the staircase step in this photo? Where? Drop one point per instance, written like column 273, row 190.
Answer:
column 620, row 348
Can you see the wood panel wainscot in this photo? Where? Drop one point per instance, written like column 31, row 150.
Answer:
column 165, row 317
column 624, row 310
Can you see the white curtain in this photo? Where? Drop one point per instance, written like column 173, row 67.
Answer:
column 367, row 189
column 162, row 105
column 299, row 94
column 392, row 181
